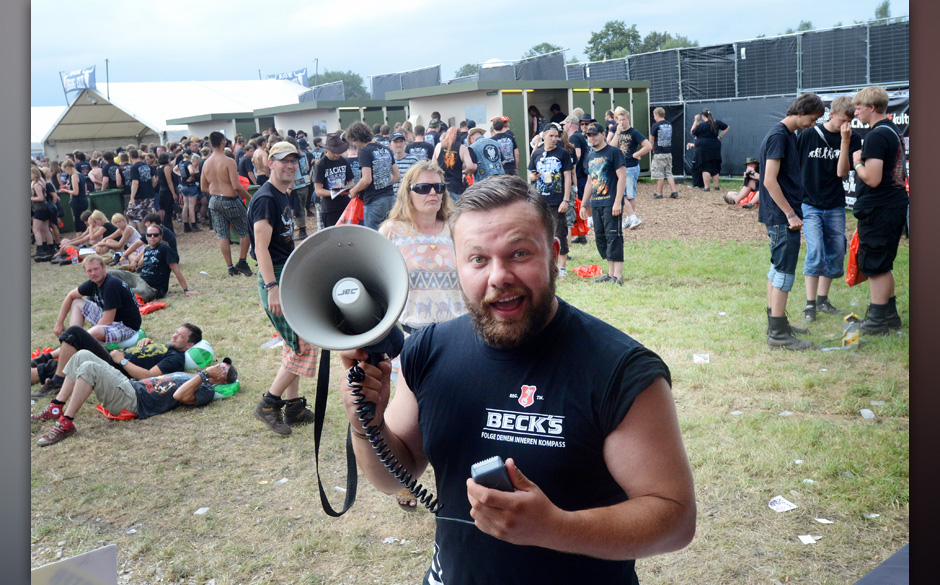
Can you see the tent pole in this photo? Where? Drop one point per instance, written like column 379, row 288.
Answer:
column 65, row 93
column 107, row 78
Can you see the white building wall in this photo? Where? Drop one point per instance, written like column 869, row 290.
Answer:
column 304, row 120
column 453, row 108
column 203, row 129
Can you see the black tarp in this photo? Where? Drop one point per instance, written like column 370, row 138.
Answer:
column 889, row 52
column 835, row 58
column 612, row 69
column 326, row 92
column 661, row 69
column 575, row 71
column 382, row 84
column 427, row 77
column 767, row 66
column 550, row 67
column 497, row 73
column 707, row 72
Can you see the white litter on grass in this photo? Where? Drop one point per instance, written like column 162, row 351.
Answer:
column 823, row 370
column 808, row 481
column 877, row 402
column 722, row 313
column 736, row 412
column 786, row 413
column 203, row 272
column 339, row 489
column 872, row 516
column 273, row 342
column 824, row 521
column 807, row 539
column 390, row 540
column 781, row 504
column 867, row 414
column 201, row 511
column 281, row 481
column 798, row 461
column 132, row 531
column 700, row 358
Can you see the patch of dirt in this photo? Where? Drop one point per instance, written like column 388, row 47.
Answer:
column 695, row 215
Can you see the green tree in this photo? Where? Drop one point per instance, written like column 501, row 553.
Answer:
column 658, row 41
column 352, row 83
column 467, row 69
column 541, row 49
column 883, row 10
column 613, row 41
column 805, row 25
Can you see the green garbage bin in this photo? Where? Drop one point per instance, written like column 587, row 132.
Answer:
column 109, row 201
column 67, row 221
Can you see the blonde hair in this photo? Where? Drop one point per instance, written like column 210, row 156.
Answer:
column 842, row 105
column 98, row 215
column 35, row 173
column 404, row 210
column 118, row 217
column 620, row 111
column 90, row 258
column 873, row 95
column 659, row 112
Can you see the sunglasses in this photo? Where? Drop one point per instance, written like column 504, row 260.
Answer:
column 425, row 188
column 150, row 235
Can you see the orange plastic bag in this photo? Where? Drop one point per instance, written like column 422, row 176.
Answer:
column 580, row 227
column 588, row 271
column 747, row 199
column 353, row 214
column 852, row 274
column 151, row 307
column 124, row 415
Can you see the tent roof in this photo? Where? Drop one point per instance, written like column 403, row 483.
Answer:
column 130, row 109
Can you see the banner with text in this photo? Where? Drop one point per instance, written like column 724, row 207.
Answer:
column 79, row 80
column 298, row 76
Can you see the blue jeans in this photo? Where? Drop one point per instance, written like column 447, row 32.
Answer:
column 633, row 173
column 824, row 230
column 376, row 212
column 784, row 253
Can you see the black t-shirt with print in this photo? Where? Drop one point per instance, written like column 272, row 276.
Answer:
column 113, row 294
column 883, row 142
column 270, row 204
column 155, row 395
column 421, row 150
column 143, row 174
column 333, row 175
column 163, row 356
column 155, row 269
column 662, row 132
column 551, row 167
column 380, row 159
column 602, row 168
column 819, row 161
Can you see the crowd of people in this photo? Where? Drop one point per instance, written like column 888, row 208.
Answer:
column 487, row 335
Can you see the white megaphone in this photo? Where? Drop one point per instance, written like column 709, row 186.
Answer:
column 344, row 288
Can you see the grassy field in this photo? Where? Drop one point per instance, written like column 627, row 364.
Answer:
column 756, row 424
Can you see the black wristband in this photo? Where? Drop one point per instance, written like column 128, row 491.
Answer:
column 205, row 378
column 791, row 216
column 271, row 284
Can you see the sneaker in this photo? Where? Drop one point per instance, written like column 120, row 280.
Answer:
column 243, row 268
column 826, row 307
column 51, row 385
column 674, row 195
column 657, row 195
column 706, row 189
column 115, row 260
column 195, row 227
column 636, row 221
column 562, row 273
column 625, row 224
column 809, row 313
column 270, row 414
column 50, row 412
column 232, row 271
column 297, row 413
column 301, row 235
column 580, row 240
column 605, row 278
column 728, row 199
column 62, row 429
column 615, row 280
column 748, row 206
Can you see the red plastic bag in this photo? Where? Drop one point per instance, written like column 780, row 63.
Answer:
column 747, row 198
column 588, row 271
column 852, row 274
column 151, row 307
column 353, row 214
column 124, row 414
column 580, row 227
column 40, row 351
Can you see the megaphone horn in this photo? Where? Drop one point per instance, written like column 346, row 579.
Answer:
column 344, row 288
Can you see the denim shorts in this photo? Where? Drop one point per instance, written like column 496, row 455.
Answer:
column 633, row 173
column 824, row 230
column 376, row 212
column 784, row 253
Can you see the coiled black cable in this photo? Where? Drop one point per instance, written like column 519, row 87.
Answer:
column 366, row 414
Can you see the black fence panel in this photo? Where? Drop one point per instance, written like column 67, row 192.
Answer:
column 613, row 69
column 382, row 84
column 707, row 72
column 497, row 73
column 427, row 77
column 835, row 58
column 767, row 67
column 575, row 71
column 889, row 52
column 661, row 69
column 549, row 67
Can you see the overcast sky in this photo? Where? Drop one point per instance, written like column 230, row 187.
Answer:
column 205, row 40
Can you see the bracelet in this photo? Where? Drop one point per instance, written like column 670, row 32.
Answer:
column 204, row 377
column 363, row 435
column 859, row 164
column 185, row 290
column 791, row 216
column 271, row 284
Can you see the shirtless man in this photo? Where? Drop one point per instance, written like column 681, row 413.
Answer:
column 220, row 181
column 260, row 160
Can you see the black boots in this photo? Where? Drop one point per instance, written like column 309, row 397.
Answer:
column 296, row 412
column 269, row 412
column 881, row 319
column 780, row 334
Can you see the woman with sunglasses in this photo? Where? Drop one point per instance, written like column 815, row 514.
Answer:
column 417, row 225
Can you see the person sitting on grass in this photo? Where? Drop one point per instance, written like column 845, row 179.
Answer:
column 123, row 242
column 97, row 227
column 750, row 185
column 87, row 373
column 155, row 264
column 144, row 360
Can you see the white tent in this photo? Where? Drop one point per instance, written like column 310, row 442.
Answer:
column 41, row 121
column 133, row 113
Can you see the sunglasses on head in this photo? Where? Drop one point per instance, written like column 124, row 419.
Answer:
column 425, row 188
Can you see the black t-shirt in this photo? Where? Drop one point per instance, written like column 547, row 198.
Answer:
column 507, row 147
column 548, row 405
column 705, row 137
column 155, row 269
column 163, row 186
column 780, row 143
column 421, row 150
column 143, row 174
column 155, row 395
column 333, row 175
column 551, row 167
column 819, row 161
column 270, row 204
column 109, row 228
column 602, row 168
column 629, row 142
column 380, row 159
column 111, row 170
column 245, row 166
column 883, row 142
column 432, row 137
column 126, row 177
column 579, row 141
column 169, row 238
column 662, row 132
column 113, row 294
column 163, row 356
column 610, row 125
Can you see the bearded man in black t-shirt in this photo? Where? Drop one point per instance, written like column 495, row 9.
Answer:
column 606, row 477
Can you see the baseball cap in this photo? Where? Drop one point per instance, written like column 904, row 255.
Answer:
column 434, row 123
column 594, row 128
column 396, row 136
column 281, row 150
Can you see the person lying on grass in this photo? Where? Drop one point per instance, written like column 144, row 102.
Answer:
column 88, row 374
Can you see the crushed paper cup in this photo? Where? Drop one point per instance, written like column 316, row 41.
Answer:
column 824, row 521
column 201, row 511
column 781, row 504
column 699, row 358
column 867, row 414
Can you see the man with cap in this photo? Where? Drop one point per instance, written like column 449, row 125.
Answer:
column 433, row 135
column 88, row 374
column 607, row 175
column 507, row 143
column 485, row 154
column 272, row 241
column 332, row 179
column 220, row 180
column 404, row 160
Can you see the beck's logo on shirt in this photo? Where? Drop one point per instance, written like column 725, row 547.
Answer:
column 527, row 396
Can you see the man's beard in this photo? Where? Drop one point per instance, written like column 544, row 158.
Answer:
column 503, row 334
